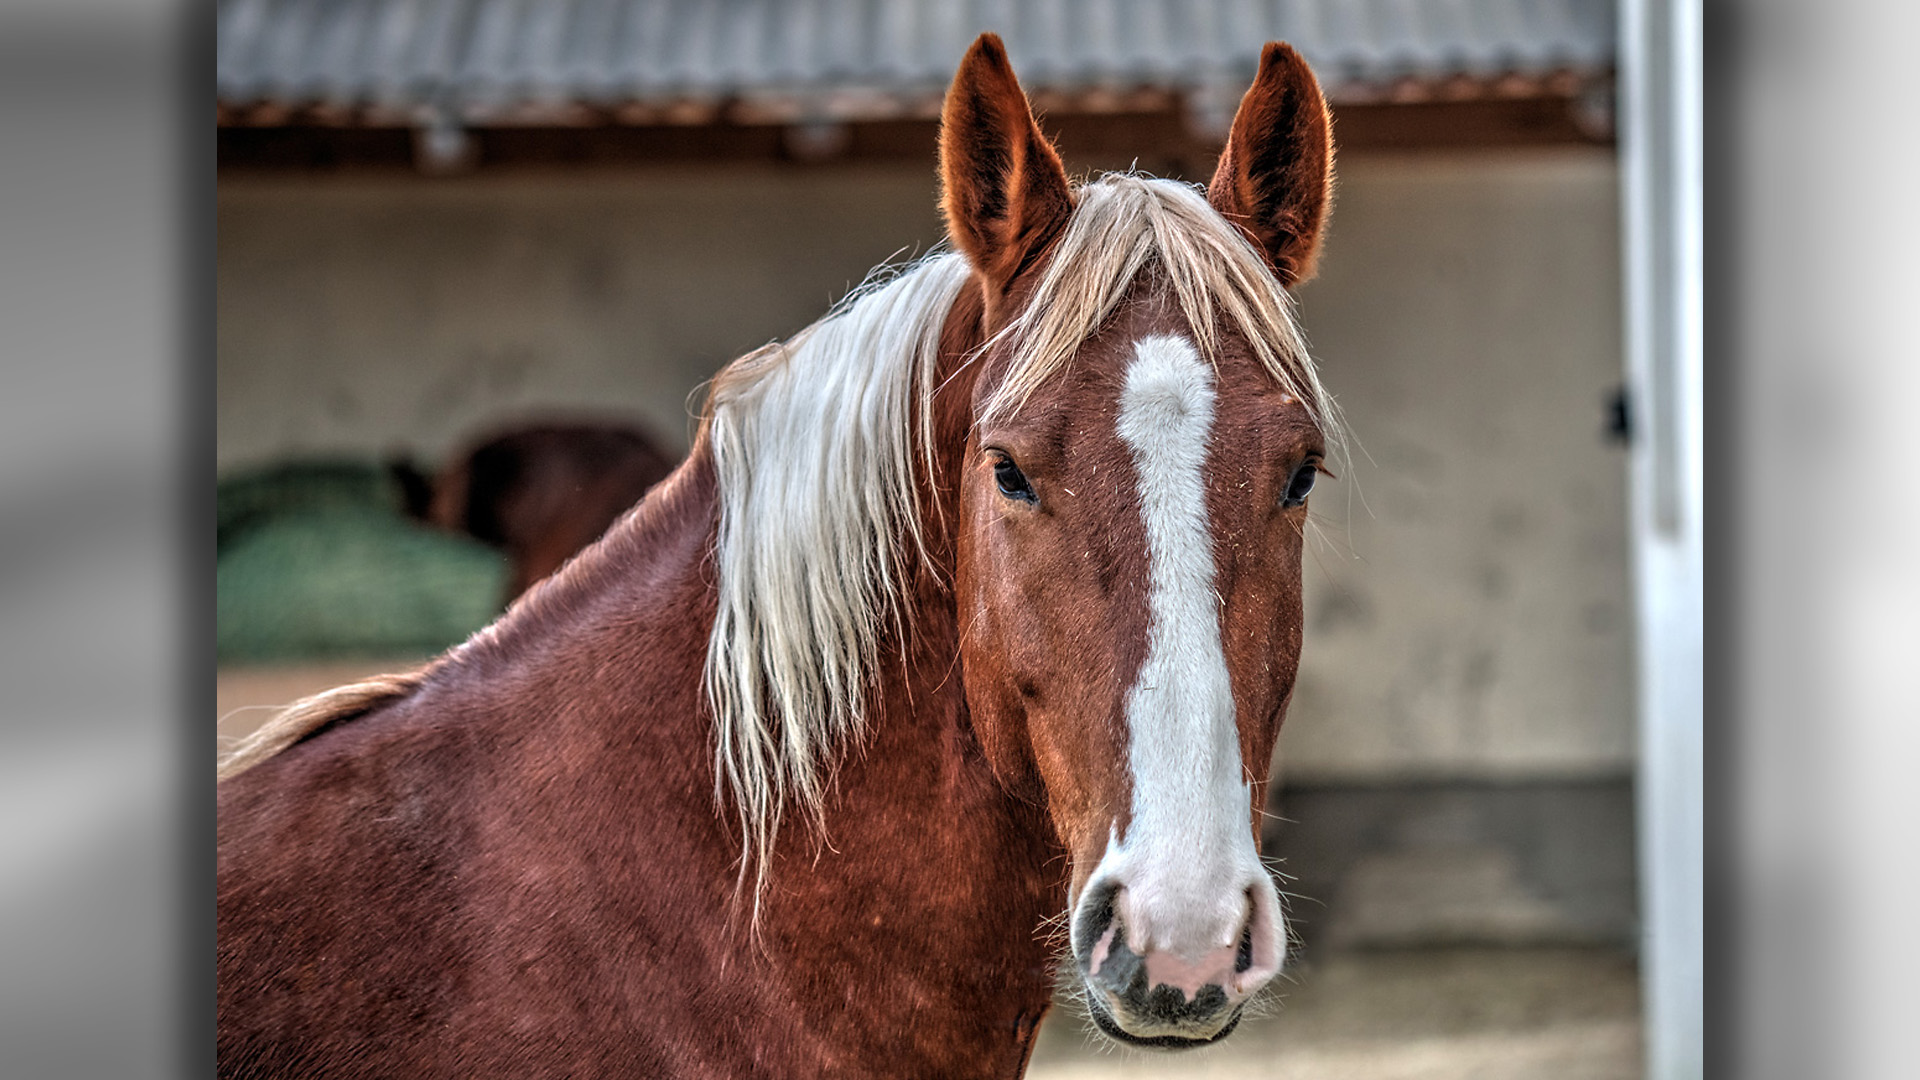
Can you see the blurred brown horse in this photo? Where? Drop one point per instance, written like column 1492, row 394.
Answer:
column 540, row 492
column 990, row 578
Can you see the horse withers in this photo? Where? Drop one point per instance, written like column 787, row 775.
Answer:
column 948, row 664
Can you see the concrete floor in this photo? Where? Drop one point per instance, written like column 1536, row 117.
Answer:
column 1432, row 1014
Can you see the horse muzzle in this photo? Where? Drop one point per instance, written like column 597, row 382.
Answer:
column 1177, row 982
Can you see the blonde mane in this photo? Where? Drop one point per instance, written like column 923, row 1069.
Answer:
column 310, row 714
column 813, row 456
column 812, row 442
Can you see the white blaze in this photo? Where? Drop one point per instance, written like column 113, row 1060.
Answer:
column 1188, row 861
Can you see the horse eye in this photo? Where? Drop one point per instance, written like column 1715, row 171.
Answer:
column 1013, row 483
column 1299, row 486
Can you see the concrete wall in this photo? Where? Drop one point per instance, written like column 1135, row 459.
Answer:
column 365, row 314
column 1467, row 604
column 1470, row 614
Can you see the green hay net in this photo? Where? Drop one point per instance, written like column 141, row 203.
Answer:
column 318, row 560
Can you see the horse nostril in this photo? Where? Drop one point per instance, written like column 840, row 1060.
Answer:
column 1243, row 960
column 1123, row 972
column 1096, row 916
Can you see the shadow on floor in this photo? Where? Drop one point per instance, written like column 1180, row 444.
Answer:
column 1558, row 1013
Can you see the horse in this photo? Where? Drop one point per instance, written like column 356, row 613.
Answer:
column 541, row 492
column 949, row 662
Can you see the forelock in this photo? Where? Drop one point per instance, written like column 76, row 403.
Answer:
column 1122, row 225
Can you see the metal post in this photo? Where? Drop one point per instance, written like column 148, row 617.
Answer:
column 1661, row 180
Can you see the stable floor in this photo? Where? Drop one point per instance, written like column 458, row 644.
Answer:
column 1486, row 1013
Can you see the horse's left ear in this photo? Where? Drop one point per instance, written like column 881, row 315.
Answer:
column 1276, row 174
column 1003, row 187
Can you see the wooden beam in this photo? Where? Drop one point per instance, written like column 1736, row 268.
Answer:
column 1113, row 132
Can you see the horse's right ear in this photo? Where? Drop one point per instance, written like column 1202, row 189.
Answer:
column 1003, row 188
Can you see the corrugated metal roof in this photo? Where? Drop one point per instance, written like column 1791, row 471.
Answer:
column 848, row 59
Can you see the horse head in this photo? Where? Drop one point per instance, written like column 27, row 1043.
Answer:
column 1144, row 431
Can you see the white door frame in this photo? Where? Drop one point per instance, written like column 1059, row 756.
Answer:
column 1661, row 182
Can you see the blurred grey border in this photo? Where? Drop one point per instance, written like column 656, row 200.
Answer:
column 105, row 566
column 105, row 573
column 1814, row 420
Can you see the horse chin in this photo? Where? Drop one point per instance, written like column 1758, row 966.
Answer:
column 1111, row 1028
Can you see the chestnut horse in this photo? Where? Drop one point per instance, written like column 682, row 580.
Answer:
column 988, row 584
column 542, row 492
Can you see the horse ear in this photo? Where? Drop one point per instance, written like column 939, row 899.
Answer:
column 1275, row 176
column 1004, row 191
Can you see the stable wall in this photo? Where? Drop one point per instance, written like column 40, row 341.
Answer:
column 1468, row 607
column 372, row 314
column 1467, row 604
